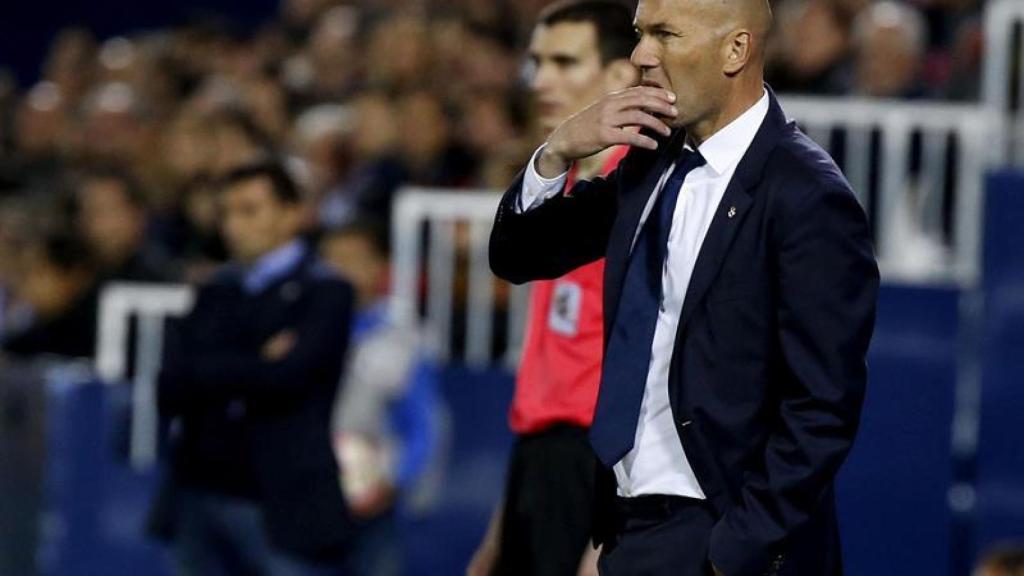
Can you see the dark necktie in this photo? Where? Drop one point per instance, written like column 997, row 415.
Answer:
column 628, row 355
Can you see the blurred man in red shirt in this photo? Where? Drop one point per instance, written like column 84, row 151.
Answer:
column 579, row 52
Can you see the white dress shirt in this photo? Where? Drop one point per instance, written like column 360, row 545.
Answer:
column 657, row 463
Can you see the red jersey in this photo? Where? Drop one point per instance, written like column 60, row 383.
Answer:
column 560, row 370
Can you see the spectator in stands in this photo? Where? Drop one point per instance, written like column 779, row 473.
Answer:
column 963, row 79
column 114, row 128
column 400, row 66
column 70, row 64
column 945, row 18
column 13, row 235
column 890, row 40
column 299, row 16
column 236, row 138
column 318, row 138
column 55, row 279
column 1003, row 560
column 329, row 67
column 428, row 146
column 8, row 100
column 488, row 62
column 249, row 380
column 813, row 52
column 111, row 216
column 188, row 147
column 266, row 101
column 491, row 128
column 190, row 234
column 385, row 422
column 373, row 171
column 41, row 127
column 579, row 52
column 498, row 15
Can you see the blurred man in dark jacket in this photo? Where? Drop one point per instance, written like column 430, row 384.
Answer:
column 249, row 382
column 54, row 275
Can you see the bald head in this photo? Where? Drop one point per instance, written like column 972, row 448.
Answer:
column 723, row 17
column 752, row 16
column 757, row 14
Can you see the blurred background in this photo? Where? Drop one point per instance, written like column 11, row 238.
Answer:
column 117, row 117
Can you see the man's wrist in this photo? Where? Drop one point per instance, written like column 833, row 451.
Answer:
column 550, row 164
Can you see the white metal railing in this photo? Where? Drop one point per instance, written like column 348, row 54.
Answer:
column 151, row 304
column 879, row 137
column 1003, row 59
column 434, row 231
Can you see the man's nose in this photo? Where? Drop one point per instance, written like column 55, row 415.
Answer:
column 644, row 55
column 541, row 79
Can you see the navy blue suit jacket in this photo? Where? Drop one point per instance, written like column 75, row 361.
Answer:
column 260, row 429
column 768, row 372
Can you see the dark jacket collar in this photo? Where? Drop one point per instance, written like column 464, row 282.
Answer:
column 748, row 172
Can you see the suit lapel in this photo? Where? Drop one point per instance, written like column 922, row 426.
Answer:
column 732, row 210
column 728, row 218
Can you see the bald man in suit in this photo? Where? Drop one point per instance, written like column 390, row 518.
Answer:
column 740, row 289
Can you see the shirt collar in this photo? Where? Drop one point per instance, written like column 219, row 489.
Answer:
column 725, row 147
column 273, row 265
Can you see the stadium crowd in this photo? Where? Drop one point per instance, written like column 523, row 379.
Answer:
column 109, row 163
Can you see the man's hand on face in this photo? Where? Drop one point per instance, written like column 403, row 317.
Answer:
column 611, row 121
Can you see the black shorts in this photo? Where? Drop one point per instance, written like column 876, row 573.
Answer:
column 548, row 503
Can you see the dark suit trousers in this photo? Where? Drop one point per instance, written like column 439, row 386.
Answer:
column 659, row 536
column 668, row 536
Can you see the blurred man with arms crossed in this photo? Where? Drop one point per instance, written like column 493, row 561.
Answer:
column 579, row 52
column 248, row 384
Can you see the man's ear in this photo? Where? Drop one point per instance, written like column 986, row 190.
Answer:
column 737, row 51
column 620, row 74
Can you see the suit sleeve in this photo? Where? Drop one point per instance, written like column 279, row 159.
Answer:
column 560, row 235
column 322, row 337
column 827, row 285
column 173, row 384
